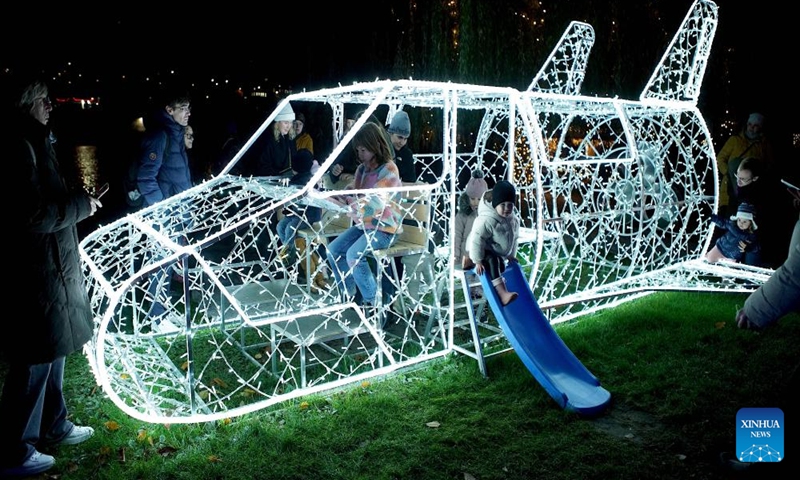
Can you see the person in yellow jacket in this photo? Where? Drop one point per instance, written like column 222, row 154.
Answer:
column 749, row 143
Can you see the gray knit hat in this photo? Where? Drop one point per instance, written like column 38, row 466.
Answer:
column 400, row 125
column 286, row 115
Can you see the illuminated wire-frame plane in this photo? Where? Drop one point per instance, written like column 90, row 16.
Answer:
column 615, row 196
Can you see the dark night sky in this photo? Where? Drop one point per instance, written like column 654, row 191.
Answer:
column 292, row 43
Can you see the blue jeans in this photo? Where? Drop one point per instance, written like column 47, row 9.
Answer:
column 32, row 410
column 348, row 251
column 287, row 228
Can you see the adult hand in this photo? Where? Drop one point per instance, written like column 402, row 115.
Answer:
column 337, row 170
column 94, row 204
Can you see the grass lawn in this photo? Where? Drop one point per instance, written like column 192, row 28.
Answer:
column 676, row 365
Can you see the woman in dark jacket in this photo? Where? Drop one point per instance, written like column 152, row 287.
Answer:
column 49, row 290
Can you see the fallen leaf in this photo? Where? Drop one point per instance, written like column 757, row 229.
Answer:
column 112, row 425
column 303, row 405
column 226, row 421
column 124, row 376
column 214, row 459
column 365, row 384
column 142, row 436
column 719, row 325
column 433, row 424
column 258, row 356
column 681, row 457
column 185, row 365
column 467, row 476
column 219, row 382
column 166, row 451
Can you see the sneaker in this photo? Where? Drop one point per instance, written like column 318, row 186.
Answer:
column 35, row 464
column 77, row 435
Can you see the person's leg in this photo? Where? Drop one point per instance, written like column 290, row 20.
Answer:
column 21, row 411
column 362, row 273
column 55, row 425
column 337, row 258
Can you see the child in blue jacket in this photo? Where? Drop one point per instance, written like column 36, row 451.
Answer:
column 740, row 236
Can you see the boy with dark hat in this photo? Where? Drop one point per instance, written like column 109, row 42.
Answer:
column 494, row 238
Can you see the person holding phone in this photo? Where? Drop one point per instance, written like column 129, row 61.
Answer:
column 57, row 319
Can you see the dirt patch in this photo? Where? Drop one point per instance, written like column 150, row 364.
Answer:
column 634, row 425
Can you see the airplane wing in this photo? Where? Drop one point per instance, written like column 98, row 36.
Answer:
column 542, row 351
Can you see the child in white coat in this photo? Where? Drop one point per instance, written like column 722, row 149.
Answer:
column 493, row 239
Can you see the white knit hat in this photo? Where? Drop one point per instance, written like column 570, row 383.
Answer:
column 286, row 115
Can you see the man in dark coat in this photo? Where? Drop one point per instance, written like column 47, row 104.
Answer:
column 56, row 317
column 164, row 164
column 163, row 172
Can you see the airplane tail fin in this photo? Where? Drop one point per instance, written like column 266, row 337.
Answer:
column 680, row 73
column 565, row 68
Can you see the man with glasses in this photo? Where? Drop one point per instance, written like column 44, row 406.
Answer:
column 748, row 143
column 163, row 172
column 164, row 164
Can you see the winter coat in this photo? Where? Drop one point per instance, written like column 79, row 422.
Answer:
column 728, row 243
column 465, row 218
column 780, row 294
column 163, row 164
column 493, row 232
column 270, row 157
column 404, row 159
column 53, row 318
column 737, row 148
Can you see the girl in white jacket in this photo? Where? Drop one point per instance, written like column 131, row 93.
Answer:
column 494, row 238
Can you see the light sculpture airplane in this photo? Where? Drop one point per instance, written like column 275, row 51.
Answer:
column 615, row 196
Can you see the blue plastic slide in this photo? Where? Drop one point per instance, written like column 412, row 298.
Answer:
column 542, row 351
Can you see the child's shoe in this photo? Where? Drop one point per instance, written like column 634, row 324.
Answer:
column 505, row 296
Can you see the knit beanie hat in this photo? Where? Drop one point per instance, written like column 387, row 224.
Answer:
column 746, row 211
column 476, row 186
column 503, row 192
column 300, row 117
column 286, row 115
column 400, row 125
column 756, row 118
column 302, row 161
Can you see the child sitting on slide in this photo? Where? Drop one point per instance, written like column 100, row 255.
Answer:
column 493, row 239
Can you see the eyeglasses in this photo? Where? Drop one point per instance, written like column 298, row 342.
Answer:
column 45, row 101
column 743, row 181
column 189, row 136
column 183, row 108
